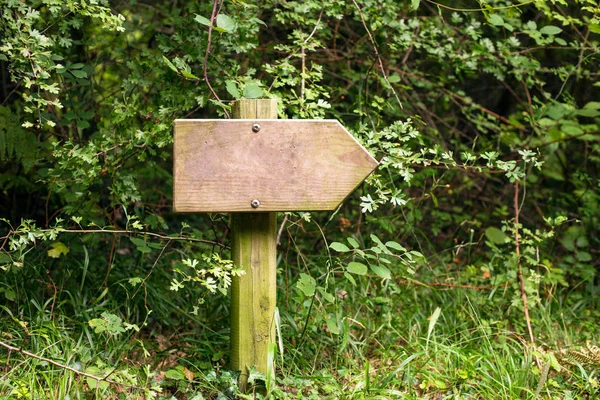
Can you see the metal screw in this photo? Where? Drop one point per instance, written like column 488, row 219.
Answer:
column 255, row 129
column 255, row 203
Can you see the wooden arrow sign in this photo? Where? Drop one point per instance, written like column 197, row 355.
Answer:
column 260, row 165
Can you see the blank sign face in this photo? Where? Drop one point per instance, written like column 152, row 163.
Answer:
column 259, row 165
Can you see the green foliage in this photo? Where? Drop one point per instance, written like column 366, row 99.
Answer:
column 461, row 101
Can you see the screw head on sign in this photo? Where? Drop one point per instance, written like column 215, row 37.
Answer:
column 255, row 203
column 255, row 129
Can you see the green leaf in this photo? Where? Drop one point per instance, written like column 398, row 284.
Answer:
column 170, row 64
column 381, row 271
column 79, row 73
column 3, row 57
column 414, row 4
column 307, row 285
column 495, row 235
column 332, row 326
column 75, row 66
column 395, row 246
column 357, row 268
column 137, row 241
column 595, row 28
column 202, row 20
column 188, row 74
column 253, row 92
column 353, row 242
column 232, row 89
column 341, row 247
column 583, row 256
column 175, row 374
column 225, row 22
column 550, row 30
column 10, row 295
column 432, row 321
column 350, row 278
column 57, row 249
column 594, row 105
column 496, row 20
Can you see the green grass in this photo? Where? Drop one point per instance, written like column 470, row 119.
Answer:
column 390, row 346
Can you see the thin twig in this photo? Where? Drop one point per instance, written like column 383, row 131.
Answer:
column 55, row 363
column 126, row 232
column 213, row 17
column 381, row 67
column 285, row 218
column 520, row 268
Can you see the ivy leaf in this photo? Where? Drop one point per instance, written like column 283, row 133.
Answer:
column 253, row 92
column 357, row 268
column 307, row 285
column 57, row 249
column 341, row 247
column 226, row 23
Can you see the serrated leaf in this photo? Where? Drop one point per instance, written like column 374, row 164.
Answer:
column 253, row 92
column 550, row 30
column 225, row 22
column 357, row 268
column 202, row 20
column 381, row 271
column 495, row 235
column 57, row 249
column 307, row 285
column 77, row 73
column 232, row 89
column 341, row 247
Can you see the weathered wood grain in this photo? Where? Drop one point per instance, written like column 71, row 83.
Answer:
column 253, row 295
column 289, row 165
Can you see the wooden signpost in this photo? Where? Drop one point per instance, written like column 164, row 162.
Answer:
column 252, row 167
